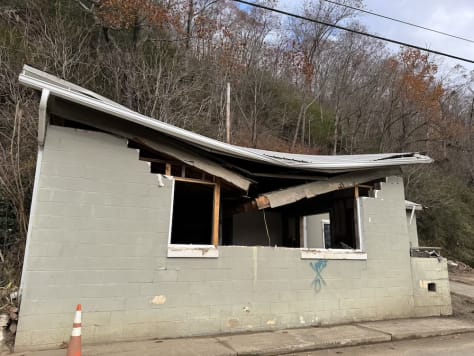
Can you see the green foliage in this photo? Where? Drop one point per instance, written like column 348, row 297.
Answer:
column 280, row 104
column 322, row 127
column 448, row 217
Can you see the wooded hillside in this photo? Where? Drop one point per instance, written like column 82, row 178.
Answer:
column 296, row 86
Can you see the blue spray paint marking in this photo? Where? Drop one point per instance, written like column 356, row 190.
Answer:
column 318, row 281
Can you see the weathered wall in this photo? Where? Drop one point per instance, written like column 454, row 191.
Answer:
column 99, row 237
column 314, row 230
column 99, row 225
column 428, row 271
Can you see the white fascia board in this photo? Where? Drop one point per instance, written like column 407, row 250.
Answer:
column 43, row 117
column 409, row 205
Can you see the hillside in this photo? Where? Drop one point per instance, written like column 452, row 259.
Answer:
column 295, row 86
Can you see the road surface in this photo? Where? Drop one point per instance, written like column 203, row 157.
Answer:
column 453, row 345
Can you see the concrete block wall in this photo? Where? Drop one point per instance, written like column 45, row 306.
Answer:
column 314, row 230
column 99, row 222
column 437, row 299
column 98, row 236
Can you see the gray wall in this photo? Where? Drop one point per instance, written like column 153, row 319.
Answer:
column 99, row 235
column 249, row 229
column 314, row 230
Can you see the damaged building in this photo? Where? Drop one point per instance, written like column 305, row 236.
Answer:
column 160, row 232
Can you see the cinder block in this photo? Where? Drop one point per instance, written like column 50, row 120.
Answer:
column 197, row 312
column 165, row 275
column 279, row 308
column 50, row 338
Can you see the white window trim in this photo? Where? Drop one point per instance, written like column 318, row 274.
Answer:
column 332, row 254
column 193, row 251
column 189, row 251
column 324, row 222
column 338, row 254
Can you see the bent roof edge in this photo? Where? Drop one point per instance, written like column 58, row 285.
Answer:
column 40, row 80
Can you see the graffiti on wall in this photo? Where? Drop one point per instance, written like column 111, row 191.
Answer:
column 318, row 281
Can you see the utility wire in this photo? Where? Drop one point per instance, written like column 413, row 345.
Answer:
column 353, row 31
column 400, row 21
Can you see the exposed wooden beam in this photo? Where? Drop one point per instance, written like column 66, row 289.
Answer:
column 192, row 180
column 305, row 191
column 201, row 163
column 217, row 205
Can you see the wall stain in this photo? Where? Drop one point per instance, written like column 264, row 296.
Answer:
column 318, row 281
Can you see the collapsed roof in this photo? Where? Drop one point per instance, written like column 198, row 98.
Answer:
column 239, row 158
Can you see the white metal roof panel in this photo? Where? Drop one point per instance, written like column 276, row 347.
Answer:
column 40, row 80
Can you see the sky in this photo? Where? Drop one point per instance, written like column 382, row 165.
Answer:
column 452, row 16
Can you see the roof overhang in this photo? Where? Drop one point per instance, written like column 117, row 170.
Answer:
column 409, row 205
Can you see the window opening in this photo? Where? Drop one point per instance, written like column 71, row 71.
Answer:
column 193, row 213
column 326, row 232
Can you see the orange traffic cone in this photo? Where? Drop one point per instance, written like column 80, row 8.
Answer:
column 75, row 344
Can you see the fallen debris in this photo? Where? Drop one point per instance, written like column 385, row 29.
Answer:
column 458, row 266
column 425, row 252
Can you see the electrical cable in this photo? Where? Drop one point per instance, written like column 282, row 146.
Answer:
column 354, row 31
column 400, row 21
column 266, row 228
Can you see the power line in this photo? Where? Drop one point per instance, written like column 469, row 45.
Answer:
column 352, row 30
column 400, row 21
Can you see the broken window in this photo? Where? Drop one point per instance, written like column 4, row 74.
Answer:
column 334, row 222
column 327, row 221
column 193, row 212
column 317, row 231
column 199, row 224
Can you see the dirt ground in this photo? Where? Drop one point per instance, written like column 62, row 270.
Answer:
column 463, row 307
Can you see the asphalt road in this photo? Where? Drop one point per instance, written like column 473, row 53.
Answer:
column 453, row 345
column 462, row 289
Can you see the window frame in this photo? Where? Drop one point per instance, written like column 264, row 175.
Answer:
column 358, row 253
column 323, row 234
column 196, row 250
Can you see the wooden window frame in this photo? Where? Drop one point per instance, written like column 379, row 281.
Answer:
column 189, row 250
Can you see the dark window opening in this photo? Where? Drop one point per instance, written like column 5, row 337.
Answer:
column 327, row 233
column 192, row 213
column 431, row 287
